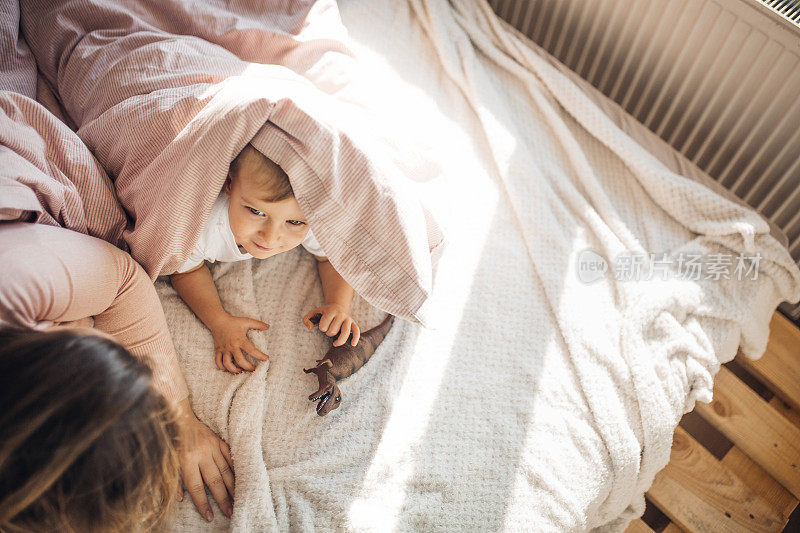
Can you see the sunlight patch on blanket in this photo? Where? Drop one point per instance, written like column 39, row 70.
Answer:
column 383, row 492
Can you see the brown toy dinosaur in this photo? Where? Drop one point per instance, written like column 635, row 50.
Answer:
column 343, row 361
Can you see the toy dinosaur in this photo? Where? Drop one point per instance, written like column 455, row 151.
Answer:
column 343, row 361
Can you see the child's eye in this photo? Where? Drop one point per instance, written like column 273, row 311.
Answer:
column 296, row 222
column 256, row 211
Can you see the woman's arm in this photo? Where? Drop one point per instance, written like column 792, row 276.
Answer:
column 54, row 275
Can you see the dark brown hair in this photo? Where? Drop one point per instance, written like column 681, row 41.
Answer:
column 271, row 177
column 86, row 442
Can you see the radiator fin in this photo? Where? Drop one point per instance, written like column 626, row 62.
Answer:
column 790, row 10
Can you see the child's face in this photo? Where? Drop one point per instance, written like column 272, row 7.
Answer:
column 263, row 228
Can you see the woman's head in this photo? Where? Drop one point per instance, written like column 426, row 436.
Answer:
column 264, row 215
column 87, row 443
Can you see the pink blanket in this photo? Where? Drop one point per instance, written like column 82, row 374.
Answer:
column 17, row 65
column 47, row 175
column 166, row 96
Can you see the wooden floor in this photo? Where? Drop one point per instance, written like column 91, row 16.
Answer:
column 735, row 463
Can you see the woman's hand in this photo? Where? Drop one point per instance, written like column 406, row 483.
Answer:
column 204, row 459
column 335, row 318
column 231, row 343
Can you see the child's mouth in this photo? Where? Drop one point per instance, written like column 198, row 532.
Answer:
column 262, row 247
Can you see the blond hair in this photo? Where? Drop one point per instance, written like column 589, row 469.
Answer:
column 87, row 444
column 270, row 177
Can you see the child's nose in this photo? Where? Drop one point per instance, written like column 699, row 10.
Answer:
column 269, row 234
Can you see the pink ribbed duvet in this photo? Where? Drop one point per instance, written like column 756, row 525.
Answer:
column 166, row 94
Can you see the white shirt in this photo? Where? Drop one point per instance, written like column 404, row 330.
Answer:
column 216, row 242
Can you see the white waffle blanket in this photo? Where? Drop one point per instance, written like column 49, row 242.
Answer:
column 538, row 401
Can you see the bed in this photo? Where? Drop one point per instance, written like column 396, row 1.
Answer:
column 544, row 392
column 483, row 421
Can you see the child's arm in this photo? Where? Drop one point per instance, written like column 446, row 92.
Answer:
column 197, row 289
column 336, row 311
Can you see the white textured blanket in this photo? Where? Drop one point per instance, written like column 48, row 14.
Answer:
column 538, row 401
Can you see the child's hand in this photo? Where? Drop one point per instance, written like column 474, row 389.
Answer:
column 334, row 319
column 230, row 343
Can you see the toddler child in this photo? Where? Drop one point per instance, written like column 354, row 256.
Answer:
column 256, row 215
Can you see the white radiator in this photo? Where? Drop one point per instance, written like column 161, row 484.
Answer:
column 717, row 79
